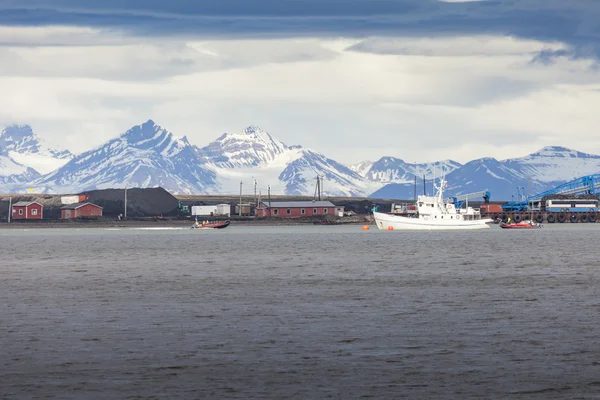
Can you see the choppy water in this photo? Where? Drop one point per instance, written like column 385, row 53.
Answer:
column 300, row 312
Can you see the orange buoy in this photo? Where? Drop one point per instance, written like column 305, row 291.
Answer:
column 390, row 228
column 365, row 227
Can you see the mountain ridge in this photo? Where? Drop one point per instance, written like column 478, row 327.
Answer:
column 148, row 155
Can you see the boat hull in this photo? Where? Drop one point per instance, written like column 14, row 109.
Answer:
column 519, row 226
column 212, row 225
column 395, row 222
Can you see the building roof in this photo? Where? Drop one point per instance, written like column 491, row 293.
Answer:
column 297, row 204
column 25, row 203
column 75, row 206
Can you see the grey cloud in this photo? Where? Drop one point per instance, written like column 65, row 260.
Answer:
column 573, row 22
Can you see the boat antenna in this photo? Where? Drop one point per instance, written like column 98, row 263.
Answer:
column 415, row 188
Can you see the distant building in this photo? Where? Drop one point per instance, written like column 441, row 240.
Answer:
column 224, row 209
column 245, row 208
column 204, row 210
column 294, row 209
column 27, row 210
column 77, row 210
column 212, row 210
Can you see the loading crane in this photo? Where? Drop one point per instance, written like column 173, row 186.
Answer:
column 589, row 184
column 459, row 201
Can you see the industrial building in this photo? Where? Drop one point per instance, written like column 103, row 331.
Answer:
column 295, row 209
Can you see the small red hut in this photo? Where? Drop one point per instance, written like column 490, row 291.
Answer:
column 27, row 210
column 78, row 210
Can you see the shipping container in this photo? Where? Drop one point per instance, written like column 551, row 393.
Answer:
column 204, row 210
column 491, row 208
column 245, row 208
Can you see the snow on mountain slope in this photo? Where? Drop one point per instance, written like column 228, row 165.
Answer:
column 25, row 147
column 391, row 169
column 475, row 176
column 145, row 156
column 554, row 163
column 148, row 155
column 508, row 179
column 12, row 172
column 337, row 180
column 254, row 154
column 361, row 168
column 253, row 147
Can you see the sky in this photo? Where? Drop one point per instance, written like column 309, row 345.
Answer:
column 421, row 80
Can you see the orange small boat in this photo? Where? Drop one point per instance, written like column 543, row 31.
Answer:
column 520, row 225
column 211, row 225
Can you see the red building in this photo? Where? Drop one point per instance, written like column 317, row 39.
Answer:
column 78, row 210
column 27, row 210
column 294, row 209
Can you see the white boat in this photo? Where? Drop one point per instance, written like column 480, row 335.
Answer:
column 434, row 214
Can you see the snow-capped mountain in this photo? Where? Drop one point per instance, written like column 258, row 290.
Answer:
column 290, row 170
column 20, row 143
column 13, row 173
column 361, row 168
column 508, row 179
column 145, row 156
column 251, row 148
column 555, row 163
column 148, row 155
column 395, row 170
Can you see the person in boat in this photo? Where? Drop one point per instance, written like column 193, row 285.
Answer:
column 508, row 222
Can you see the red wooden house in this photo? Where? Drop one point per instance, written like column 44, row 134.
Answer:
column 78, row 210
column 27, row 210
column 294, row 209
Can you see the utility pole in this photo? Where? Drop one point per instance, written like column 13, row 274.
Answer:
column 255, row 200
column 424, row 187
column 323, row 186
column 9, row 208
column 240, row 206
column 415, row 188
column 269, row 189
column 319, row 187
column 125, row 211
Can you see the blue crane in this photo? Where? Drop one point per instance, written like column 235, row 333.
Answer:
column 459, row 200
column 589, row 184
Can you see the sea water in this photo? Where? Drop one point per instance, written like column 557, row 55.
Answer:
column 299, row 312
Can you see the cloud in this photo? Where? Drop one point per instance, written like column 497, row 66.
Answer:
column 348, row 98
column 575, row 23
column 355, row 80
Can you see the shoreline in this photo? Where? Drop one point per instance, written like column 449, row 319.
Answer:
column 175, row 223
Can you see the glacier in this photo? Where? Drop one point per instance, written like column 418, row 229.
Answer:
column 23, row 146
